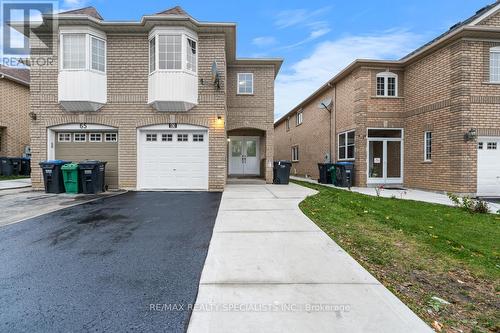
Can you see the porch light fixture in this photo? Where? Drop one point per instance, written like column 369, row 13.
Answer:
column 32, row 115
column 219, row 117
column 471, row 135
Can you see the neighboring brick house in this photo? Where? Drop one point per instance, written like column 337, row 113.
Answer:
column 14, row 111
column 161, row 100
column 430, row 120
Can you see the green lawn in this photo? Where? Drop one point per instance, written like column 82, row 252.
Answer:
column 419, row 250
column 12, row 177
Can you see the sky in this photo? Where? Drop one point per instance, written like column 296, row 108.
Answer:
column 315, row 38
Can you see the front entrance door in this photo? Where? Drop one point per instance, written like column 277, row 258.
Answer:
column 244, row 156
column 385, row 156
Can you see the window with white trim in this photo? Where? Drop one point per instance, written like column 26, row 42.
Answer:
column 74, row 51
column 346, row 145
column 170, row 51
column 98, row 54
column 111, row 137
column 245, row 83
column 295, row 153
column 495, row 64
column 427, row 146
column 166, row 137
column 198, row 137
column 299, row 118
column 79, row 137
column 288, row 123
column 182, row 137
column 95, row 137
column 64, row 137
column 152, row 54
column 191, row 55
column 151, row 137
column 387, row 84
column 491, row 146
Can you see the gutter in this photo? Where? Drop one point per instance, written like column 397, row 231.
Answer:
column 9, row 77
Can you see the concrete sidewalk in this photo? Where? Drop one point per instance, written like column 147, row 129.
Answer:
column 271, row 269
column 15, row 183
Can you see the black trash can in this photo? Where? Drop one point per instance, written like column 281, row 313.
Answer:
column 52, row 176
column 92, row 175
column 10, row 166
column 281, row 172
column 16, row 165
column 345, row 174
column 25, row 166
column 324, row 173
column 1, row 164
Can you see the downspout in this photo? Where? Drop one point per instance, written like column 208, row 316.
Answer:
column 333, row 136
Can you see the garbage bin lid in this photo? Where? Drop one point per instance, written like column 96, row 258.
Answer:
column 56, row 162
column 344, row 163
column 70, row 166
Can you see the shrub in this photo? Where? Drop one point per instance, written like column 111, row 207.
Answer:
column 469, row 204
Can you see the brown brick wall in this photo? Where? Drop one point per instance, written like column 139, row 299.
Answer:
column 14, row 119
column 127, row 60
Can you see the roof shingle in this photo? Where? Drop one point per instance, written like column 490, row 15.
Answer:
column 177, row 11
column 89, row 11
column 21, row 75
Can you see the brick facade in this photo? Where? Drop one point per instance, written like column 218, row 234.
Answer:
column 445, row 91
column 127, row 108
column 14, row 118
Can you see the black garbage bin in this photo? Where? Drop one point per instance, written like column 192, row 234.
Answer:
column 52, row 176
column 92, row 174
column 324, row 173
column 344, row 174
column 281, row 172
column 1, row 164
column 25, row 166
column 10, row 166
column 16, row 165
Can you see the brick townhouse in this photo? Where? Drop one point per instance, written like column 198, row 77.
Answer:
column 14, row 111
column 430, row 120
column 164, row 100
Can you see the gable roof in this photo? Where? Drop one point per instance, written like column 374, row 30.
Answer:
column 19, row 75
column 89, row 11
column 175, row 11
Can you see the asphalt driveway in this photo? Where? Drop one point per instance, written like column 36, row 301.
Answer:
column 127, row 263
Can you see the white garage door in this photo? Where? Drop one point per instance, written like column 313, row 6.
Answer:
column 488, row 167
column 173, row 159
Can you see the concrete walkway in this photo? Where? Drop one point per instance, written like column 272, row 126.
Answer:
column 271, row 269
column 406, row 194
column 15, row 183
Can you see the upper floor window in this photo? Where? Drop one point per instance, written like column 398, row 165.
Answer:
column 387, row 84
column 288, row 123
column 82, row 51
column 346, row 145
column 152, row 55
column 495, row 64
column 191, row 55
column 170, row 52
column 173, row 51
column 245, row 83
column 299, row 118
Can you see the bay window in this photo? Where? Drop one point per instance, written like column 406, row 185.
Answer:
column 169, row 52
column 346, row 145
column 191, row 55
column 172, row 51
column 152, row 55
column 83, row 51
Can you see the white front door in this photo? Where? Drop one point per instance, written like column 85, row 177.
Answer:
column 385, row 156
column 488, row 167
column 244, row 156
column 174, row 159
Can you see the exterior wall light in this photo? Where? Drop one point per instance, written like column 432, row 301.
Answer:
column 471, row 135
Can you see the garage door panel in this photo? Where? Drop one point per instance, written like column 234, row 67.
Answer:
column 173, row 165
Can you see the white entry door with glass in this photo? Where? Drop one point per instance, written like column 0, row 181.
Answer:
column 385, row 156
column 244, row 156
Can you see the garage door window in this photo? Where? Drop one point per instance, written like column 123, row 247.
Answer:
column 79, row 137
column 166, row 137
column 111, row 137
column 198, row 137
column 492, row 146
column 95, row 137
column 151, row 137
column 480, row 146
column 64, row 137
column 182, row 137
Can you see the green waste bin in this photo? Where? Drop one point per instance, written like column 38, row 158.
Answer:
column 70, row 176
column 333, row 173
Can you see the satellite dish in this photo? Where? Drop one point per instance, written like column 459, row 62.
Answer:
column 215, row 75
column 326, row 104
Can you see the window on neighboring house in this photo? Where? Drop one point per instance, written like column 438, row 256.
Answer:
column 111, row 137
column 95, row 137
column 191, row 55
column 74, row 51
column 198, row 137
column 170, row 51
column 428, row 146
column 288, row 123
column 299, row 117
column 245, row 83
column 64, row 137
column 79, row 137
column 166, row 137
column 346, row 145
column 151, row 137
column 495, row 64
column 182, row 137
column 387, row 84
column 152, row 55
column 98, row 54
column 295, row 153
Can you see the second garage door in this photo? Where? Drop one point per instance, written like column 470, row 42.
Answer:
column 172, row 159
column 488, row 167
